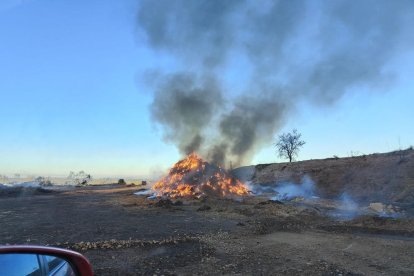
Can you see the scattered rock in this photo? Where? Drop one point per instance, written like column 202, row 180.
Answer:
column 377, row 207
column 382, row 208
column 117, row 244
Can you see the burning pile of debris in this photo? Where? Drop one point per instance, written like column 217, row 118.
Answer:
column 193, row 177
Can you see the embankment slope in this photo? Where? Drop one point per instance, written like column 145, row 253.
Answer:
column 387, row 177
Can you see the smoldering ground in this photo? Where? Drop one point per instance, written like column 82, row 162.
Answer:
column 283, row 53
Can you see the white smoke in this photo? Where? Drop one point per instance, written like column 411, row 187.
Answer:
column 347, row 208
column 287, row 190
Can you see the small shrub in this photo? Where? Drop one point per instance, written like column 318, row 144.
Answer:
column 46, row 183
column 121, row 181
column 79, row 179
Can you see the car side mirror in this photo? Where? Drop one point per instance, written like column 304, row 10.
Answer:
column 41, row 261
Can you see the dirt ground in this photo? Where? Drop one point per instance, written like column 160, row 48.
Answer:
column 125, row 234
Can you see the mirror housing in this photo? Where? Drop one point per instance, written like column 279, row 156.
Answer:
column 77, row 261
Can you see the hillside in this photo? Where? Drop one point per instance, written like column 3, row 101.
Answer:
column 387, row 177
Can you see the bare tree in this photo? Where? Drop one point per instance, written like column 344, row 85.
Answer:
column 288, row 144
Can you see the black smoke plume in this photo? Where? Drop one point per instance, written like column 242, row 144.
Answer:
column 313, row 51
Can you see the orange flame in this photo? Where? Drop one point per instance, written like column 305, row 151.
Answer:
column 193, row 177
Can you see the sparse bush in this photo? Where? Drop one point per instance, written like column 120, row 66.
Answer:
column 43, row 181
column 335, row 157
column 80, row 179
column 121, row 182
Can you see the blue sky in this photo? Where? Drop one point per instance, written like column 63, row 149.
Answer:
column 73, row 97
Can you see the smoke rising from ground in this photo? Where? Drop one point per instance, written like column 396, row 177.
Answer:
column 287, row 190
column 293, row 51
column 347, row 208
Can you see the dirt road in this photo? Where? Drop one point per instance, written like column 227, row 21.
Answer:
column 125, row 234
